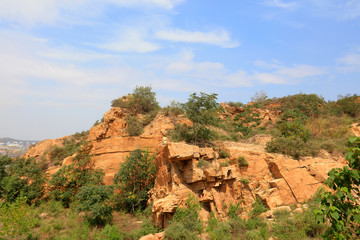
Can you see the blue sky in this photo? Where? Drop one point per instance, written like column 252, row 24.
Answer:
column 62, row 62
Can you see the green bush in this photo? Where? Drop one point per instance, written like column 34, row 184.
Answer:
column 202, row 163
column 142, row 100
column 66, row 182
column 133, row 126
column 178, row 231
column 308, row 104
column 218, row 230
column 294, row 128
column 185, row 223
column 349, row 105
column 21, row 176
column 242, row 162
column 341, row 206
column 94, row 201
column 135, row 178
column 70, row 146
column 111, row 232
column 245, row 181
column 16, row 219
column 202, row 111
column 174, row 109
column 292, row 146
column 223, row 153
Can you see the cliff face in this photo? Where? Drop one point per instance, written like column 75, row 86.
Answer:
column 186, row 169
column 217, row 182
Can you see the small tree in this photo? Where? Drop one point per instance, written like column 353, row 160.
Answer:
column 135, row 178
column 66, row 182
column 95, row 202
column 341, row 207
column 202, row 111
column 142, row 100
column 16, row 219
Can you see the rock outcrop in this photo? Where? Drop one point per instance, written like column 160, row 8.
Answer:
column 217, row 183
column 111, row 143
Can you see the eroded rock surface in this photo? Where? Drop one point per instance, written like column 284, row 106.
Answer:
column 277, row 180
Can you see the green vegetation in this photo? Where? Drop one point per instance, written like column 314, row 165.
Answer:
column 202, row 111
column 185, row 223
column 135, row 178
column 66, row 182
column 16, row 219
column 70, row 145
column 142, row 100
column 341, row 207
column 95, row 202
column 21, row 177
column 242, row 162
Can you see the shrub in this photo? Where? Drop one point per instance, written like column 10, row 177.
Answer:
column 202, row 163
column 66, row 182
column 185, row 223
column 242, row 162
column 218, row 230
column 258, row 208
column 223, row 153
column 234, row 210
column 245, row 181
column 22, row 176
column 133, row 126
column 111, row 232
column 174, row 109
column 294, row 128
column 142, row 100
column 308, row 104
column 16, row 219
column 350, row 105
column 70, row 146
column 341, row 206
column 94, row 200
column 292, row 146
column 202, row 111
column 225, row 163
column 135, row 178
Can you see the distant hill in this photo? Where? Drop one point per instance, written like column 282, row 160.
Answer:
column 7, row 139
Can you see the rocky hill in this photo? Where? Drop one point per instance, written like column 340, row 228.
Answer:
column 224, row 174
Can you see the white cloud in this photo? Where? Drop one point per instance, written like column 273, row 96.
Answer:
column 281, row 4
column 352, row 59
column 48, row 12
column 289, row 75
column 219, row 38
column 338, row 9
column 130, row 40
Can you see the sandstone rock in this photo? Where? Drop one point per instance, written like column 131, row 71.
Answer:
column 182, row 151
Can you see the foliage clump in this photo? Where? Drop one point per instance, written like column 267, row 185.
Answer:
column 202, row 111
column 142, row 100
column 66, row 182
column 69, row 146
column 16, row 219
column 95, row 202
column 185, row 223
column 135, row 178
column 341, row 207
column 21, row 176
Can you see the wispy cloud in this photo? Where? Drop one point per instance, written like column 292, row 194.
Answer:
column 219, row 38
column 289, row 75
column 130, row 40
column 49, row 12
column 282, row 4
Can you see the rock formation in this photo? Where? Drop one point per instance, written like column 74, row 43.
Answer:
column 275, row 179
column 216, row 181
